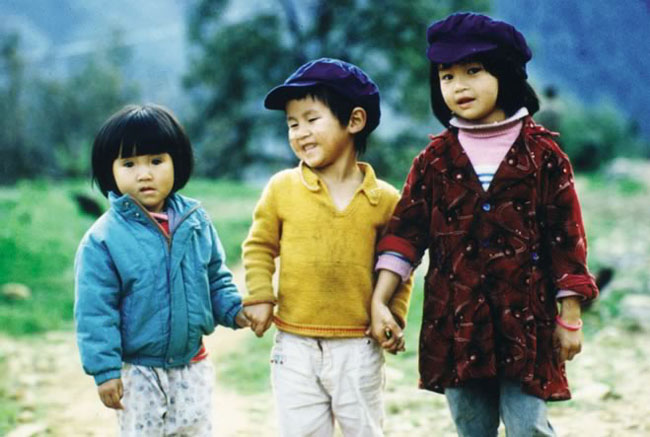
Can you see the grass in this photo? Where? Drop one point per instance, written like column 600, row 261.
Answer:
column 42, row 228
column 8, row 406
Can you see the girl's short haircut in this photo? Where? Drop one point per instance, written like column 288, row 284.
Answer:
column 140, row 130
column 514, row 90
column 340, row 106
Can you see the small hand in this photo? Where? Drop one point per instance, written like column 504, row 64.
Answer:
column 567, row 344
column 260, row 316
column 111, row 392
column 385, row 329
column 241, row 320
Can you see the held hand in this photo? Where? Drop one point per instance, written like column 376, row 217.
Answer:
column 384, row 328
column 241, row 320
column 260, row 316
column 111, row 392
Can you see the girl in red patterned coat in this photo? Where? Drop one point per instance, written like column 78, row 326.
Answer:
column 493, row 200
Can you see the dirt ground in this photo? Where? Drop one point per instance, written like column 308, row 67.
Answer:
column 610, row 381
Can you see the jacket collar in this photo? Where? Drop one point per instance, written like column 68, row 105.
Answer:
column 176, row 206
column 369, row 186
column 518, row 163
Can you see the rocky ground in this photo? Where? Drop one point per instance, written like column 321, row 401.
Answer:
column 610, row 381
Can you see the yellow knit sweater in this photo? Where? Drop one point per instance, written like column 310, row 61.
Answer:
column 327, row 256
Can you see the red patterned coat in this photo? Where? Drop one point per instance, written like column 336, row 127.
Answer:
column 497, row 260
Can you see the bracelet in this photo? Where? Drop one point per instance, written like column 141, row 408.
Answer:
column 568, row 326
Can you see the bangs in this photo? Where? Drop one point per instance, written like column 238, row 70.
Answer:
column 144, row 135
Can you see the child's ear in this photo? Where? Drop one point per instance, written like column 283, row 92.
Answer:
column 357, row 121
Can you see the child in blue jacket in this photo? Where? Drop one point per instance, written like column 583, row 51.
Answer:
column 151, row 280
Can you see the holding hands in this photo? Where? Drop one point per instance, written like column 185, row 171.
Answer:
column 260, row 317
column 384, row 328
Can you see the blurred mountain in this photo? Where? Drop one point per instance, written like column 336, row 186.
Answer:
column 56, row 36
column 595, row 51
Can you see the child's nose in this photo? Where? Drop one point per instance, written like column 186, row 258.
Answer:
column 144, row 173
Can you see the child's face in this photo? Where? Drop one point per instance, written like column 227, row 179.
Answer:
column 315, row 134
column 470, row 92
column 147, row 178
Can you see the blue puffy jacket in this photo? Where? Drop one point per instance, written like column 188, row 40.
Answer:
column 144, row 298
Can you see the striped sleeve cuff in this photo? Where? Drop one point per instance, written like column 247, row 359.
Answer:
column 395, row 263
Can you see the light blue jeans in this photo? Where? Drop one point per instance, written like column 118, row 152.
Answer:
column 477, row 406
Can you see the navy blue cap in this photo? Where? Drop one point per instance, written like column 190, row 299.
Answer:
column 344, row 78
column 465, row 34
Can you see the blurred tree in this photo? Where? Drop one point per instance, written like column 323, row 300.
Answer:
column 16, row 149
column 48, row 124
column 240, row 52
column 70, row 111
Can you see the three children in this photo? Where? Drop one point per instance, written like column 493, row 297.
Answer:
column 491, row 198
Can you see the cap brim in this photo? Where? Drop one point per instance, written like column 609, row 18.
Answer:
column 450, row 52
column 278, row 96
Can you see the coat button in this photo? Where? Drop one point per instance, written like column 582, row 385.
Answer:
column 472, row 358
column 487, row 206
column 534, row 256
column 511, row 161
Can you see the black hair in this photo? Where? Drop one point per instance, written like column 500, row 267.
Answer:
column 340, row 106
column 140, row 130
column 514, row 90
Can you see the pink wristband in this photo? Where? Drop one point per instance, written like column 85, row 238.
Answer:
column 567, row 326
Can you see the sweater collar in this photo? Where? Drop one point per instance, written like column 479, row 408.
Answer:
column 489, row 128
column 369, row 186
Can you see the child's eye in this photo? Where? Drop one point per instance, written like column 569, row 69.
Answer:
column 293, row 125
column 313, row 119
column 474, row 70
column 156, row 161
column 127, row 164
column 446, row 77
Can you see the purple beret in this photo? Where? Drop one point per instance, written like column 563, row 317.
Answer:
column 465, row 34
column 341, row 77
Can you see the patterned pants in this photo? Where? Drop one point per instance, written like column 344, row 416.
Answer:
column 167, row 402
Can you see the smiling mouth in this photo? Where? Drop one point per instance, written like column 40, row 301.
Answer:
column 308, row 147
column 464, row 101
column 147, row 190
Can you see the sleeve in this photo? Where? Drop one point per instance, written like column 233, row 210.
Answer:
column 408, row 229
column 395, row 263
column 226, row 301
column 261, row 247
column 563, row 234
column 96, row 311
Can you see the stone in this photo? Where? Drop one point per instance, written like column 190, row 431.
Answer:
column 15, row 291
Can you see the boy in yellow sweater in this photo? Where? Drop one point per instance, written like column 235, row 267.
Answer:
column 323, row 219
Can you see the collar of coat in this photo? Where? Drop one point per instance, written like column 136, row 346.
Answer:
column 521, row 161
